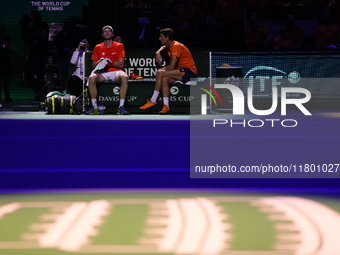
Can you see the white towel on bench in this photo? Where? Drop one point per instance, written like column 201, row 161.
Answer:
column 101, row 65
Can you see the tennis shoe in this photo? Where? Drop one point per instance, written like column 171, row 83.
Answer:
column 165, row 110
column 148, row 105
column 92, row 111
column 122, row 111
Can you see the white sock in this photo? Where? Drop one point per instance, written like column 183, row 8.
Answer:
column 166, row 101
column 154, row 96
column 94, row 103
column 121, row 102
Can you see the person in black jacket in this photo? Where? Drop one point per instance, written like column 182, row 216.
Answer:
column 5, row 67
column 38, row 43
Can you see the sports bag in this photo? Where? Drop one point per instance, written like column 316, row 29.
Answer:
column 59, row 103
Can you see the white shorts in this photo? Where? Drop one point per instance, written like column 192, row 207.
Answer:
column 110, row 76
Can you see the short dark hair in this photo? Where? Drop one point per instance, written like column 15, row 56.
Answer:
column 168, row 32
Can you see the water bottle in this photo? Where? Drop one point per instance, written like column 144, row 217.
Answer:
column 102, row 108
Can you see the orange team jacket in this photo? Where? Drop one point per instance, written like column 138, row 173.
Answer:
column 181, row 52
column 113, row 53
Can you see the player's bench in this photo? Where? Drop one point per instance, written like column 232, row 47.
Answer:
column 140, row 90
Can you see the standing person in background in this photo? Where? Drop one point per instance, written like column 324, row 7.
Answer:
column 61, row 46
column 181, row 68
column 38, row 54
column 5, row 65
column 75, row 82
column 113, row 53
column 150, row 33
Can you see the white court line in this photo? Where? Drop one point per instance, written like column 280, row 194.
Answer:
column 195, row 226
column 15, row 245
column 173, row 227
column 54, row 204
column 150, row 201
column 309, row 236
column 8, row 208
column 326, row 219
column 129, row 249
column 54, row 233
column 85, row 226
column 215, row 240
column 228, row 252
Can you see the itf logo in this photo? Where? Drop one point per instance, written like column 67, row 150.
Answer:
column 263, row 74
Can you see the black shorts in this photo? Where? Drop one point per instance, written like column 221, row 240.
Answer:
column 187, row 74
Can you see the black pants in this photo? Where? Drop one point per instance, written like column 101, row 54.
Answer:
column 35, row 72
column 4, row 79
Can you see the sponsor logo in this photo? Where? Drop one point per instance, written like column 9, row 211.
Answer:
column 265, row 76
column 233, row 81
column 174, row 90
column 294, row 77
column 116, row 98
column 116, row 90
